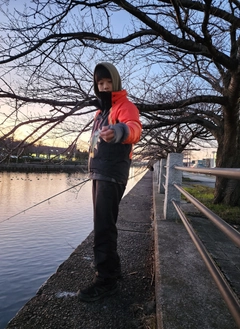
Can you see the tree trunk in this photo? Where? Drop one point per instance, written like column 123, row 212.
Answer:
column 227, row 191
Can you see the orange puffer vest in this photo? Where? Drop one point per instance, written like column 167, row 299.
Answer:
column 110, row 161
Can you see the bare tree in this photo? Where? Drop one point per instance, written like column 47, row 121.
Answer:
column 157, row 143
column 180, row 60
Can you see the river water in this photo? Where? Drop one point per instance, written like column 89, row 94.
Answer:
column 38, row 231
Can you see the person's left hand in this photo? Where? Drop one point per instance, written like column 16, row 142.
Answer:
column 107, row 134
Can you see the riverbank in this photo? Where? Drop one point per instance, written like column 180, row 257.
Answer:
column 55, row 304
column 165, row 285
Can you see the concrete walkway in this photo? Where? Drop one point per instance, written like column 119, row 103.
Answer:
column 166, row 284
column 186, row 294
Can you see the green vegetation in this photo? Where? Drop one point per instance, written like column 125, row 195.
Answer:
column 205, row 195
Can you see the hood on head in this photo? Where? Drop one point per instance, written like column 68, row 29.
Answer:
column 111, row 69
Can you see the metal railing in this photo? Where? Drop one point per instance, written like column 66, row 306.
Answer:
column 169, row 178
column 224, row 172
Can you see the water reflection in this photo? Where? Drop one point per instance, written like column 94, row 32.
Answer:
column 35, row 242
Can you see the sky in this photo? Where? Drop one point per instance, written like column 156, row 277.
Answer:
column 119, row 26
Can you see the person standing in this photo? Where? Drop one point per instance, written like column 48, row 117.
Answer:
column 115, row 130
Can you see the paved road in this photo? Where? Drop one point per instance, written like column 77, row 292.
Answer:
column 202, row 179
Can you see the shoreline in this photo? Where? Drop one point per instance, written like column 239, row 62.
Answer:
column 37, row 167
column 55, row 304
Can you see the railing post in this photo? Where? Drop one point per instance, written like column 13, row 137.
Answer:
column 162, row 175
column 156, row 171
column 173, row 176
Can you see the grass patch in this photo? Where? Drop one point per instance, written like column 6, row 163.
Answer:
column 205, row 195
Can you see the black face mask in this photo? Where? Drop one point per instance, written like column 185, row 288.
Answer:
column 105, row 100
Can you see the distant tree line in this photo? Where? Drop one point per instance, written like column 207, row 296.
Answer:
column 16, row 151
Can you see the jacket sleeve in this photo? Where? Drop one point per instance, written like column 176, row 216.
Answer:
column 128, row 127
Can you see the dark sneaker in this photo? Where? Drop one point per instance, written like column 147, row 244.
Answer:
column 100, row 288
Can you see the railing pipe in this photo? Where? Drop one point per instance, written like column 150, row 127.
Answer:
column 223, row 286
column 224, row 172
column 218, row 221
